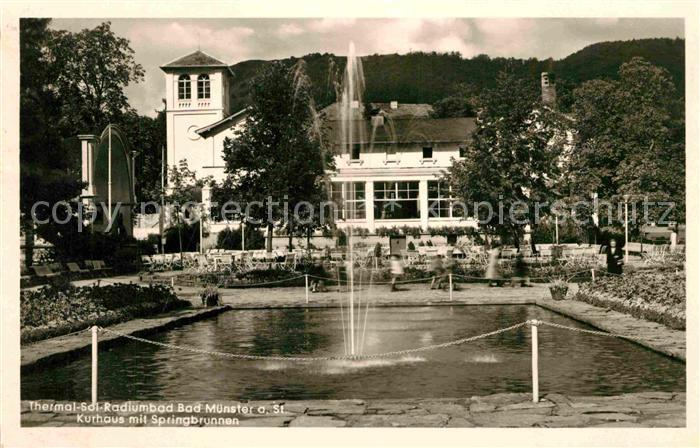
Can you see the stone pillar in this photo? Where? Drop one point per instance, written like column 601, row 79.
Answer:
column 206, row 197
column 423, row 199
column 204, row 213
column 369, row 205
column 87, row 153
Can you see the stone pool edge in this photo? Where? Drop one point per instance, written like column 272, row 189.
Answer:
column 647, row 334
column 650, row 335
column 63, row 348
column 641, row 410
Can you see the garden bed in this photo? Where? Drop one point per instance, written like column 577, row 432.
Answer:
column 54, row 311
column 657, row 296
column 540, row 272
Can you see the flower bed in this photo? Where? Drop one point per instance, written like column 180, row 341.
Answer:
column 658, row 296
column 53, row 311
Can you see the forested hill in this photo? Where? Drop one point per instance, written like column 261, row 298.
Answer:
column 428, row 77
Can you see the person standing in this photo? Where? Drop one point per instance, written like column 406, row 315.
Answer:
column 438, row 272
column 614, row 258
column 521, row 271
column 396, row 271
column 492, row 274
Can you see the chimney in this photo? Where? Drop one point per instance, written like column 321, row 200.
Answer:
column 549, row 89
column 394, row 105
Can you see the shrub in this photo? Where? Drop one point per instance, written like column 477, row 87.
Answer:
column 651, row 295
column 188, row 233
column 210, row 296
column 341, row 238
column 231, row 239
column 55, row 310
column 411, row 246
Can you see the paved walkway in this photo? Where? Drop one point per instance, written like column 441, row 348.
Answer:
column 60, row 348
column 649, row 334
column 650, row 409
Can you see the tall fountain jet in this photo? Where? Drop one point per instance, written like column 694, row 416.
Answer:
column 352, row 128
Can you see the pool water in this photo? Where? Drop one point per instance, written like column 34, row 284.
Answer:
column 570, row 362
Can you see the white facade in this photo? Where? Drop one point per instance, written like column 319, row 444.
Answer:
column 401, row 172
column 394, row 183
column 189, row 111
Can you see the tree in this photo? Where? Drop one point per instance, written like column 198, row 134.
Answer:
column 72, row 83
column 184, row 197
column 460, row 103
column 512, row 160
column 90, row 70
column 277, row 154
column 147, row 138
column 46, row 174
column 630, row 139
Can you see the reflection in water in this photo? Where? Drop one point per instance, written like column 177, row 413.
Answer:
column 573, row 363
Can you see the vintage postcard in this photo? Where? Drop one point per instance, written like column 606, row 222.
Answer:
column 465, row 219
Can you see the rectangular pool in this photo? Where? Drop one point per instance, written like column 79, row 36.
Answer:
column 570, row 362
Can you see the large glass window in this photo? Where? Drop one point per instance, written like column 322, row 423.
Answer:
column 440, row 201
column 184, row 87
column 203, row 87
column 349, row 199
column 396, row 200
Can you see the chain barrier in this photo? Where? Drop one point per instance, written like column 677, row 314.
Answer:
column 339, row 280
column 316, row 358
column 272, row 282
column 415, row 280
column 365, row 356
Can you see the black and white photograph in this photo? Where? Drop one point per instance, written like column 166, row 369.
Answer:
column 351, row 222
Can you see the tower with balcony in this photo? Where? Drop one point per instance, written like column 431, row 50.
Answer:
column 197, row 95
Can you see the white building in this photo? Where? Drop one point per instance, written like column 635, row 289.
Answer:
column 197, row 99
column 389, row 178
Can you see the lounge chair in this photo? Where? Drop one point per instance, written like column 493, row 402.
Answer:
column 44, row 272
column 74, row 269
column 102, row 265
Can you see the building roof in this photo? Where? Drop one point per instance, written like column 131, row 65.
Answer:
column 403, row 110
column 196, row 59
column 408, row 130
column 226, row 122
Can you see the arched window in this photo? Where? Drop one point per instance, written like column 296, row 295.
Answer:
column 203, row 87
column 184, row 87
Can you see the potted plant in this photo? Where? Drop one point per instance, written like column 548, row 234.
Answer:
column 558, row 288
column 210, row 296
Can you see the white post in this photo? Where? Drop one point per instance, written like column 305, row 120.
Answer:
column 243, row 235
column 201, row 223
column 556, row 228
column 94, row 364
column 535, row 363
column 593, row 275
column 352, row 292
column 109, row 172
column 172, row 282
column 306, row 281
column 450, row 276
column 626, row 233
column 161, row 218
